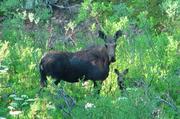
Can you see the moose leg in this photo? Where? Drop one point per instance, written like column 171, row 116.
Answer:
column 95, row 84
column 43, row 80
column 56, row 82
column 98, row 86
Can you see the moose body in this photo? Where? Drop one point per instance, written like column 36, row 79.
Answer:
column 90, row 64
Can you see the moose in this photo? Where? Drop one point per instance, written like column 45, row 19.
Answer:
column 120, row 78
column 90, row 64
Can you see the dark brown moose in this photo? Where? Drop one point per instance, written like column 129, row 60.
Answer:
column 92, row 63
column 120, row 78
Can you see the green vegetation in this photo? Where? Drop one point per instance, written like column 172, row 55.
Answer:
column 149, row 48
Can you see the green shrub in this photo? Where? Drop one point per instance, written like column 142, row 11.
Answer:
column 149, row 48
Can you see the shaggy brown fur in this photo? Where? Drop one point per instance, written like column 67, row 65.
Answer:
column 92, row 63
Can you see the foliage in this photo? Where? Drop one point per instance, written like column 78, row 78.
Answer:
column 9, row 6
column 149, row 48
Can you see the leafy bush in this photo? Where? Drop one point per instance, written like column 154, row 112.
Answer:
column 149, row 48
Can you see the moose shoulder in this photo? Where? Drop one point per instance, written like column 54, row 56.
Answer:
column 92, row 63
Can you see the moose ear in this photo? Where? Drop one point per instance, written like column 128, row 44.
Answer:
column 116, row 71
column 125, row 71
column 106, row 45
column 102, row 35
column 118, row 34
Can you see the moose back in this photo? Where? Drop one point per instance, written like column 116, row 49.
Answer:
column 92, row 63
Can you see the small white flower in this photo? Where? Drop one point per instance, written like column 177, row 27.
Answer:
column 31, row 17
column 25, row 103
column 15, row 113
column 37, row 20
column 89, row 105
column 18, row 99
column 30, row 100
column 11, row 108
column 131, row 89
column 24, row 96
column 12, row 95
column 122, row 98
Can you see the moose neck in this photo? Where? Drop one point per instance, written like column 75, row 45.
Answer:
column 103, row 54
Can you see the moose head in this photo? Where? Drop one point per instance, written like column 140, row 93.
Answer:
column 120, row 78
column 110, row 44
